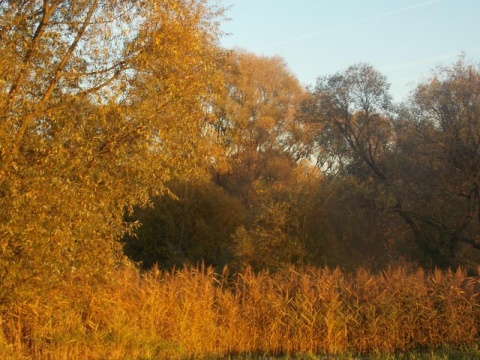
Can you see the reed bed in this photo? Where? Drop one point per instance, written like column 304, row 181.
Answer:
column 196, row 313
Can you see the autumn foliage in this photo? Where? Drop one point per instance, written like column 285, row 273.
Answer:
column 130, row 139
column 194, row 312
column 101, row 103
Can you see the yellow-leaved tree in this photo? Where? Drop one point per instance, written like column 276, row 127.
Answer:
column 101, row 102
column 256, row 120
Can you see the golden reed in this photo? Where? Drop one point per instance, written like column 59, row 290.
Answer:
column 194, row 313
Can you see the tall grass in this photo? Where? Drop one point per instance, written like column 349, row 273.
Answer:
column 195, row 313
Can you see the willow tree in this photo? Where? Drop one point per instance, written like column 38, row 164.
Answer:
column 256, row 122
column 101, row 101
column 255, row 119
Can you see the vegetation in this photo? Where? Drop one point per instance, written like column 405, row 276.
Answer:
column 81, row 142
column 196, row 313
column 129, row 139
column 391, row 184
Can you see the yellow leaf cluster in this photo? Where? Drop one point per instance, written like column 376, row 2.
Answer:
column 101, row 102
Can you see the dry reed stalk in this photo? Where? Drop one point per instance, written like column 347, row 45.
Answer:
column 193, row 312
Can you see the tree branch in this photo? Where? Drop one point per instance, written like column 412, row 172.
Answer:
column 28, row 118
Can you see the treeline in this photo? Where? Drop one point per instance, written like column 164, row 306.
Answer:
column 126, row 129
column 337, row 175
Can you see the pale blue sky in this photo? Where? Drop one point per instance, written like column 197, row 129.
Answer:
column 404, row 39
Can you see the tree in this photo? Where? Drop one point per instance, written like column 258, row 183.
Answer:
column 420, row 166
column 353, row 137
column 101, row 101
column 440, row 162
column 256, row 122
column 255, row 118
column 350, row 110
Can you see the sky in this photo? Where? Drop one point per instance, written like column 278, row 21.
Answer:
column 403, row 39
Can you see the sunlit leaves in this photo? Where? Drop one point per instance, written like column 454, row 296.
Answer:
column 102, row 101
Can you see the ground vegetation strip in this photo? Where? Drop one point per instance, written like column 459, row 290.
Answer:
column 197, row 313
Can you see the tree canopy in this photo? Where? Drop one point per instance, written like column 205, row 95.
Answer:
column 418, row 162
column 101, row 103
column 126, row 129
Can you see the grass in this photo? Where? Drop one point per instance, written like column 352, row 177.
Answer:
column 461, row 353
column 195, row 313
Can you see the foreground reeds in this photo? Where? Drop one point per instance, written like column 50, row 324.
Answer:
column 194, row 313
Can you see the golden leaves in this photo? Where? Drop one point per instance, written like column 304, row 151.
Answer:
column 101, row 108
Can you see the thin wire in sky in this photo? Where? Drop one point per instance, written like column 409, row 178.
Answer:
column 358, row 22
